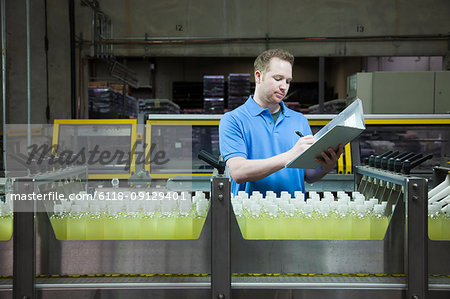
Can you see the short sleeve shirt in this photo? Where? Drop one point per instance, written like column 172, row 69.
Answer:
column 250, row 132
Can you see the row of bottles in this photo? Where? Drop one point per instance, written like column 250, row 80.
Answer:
column 130, row 220
column 438, row 222
column 438, row 211
column 284, row 217
column 6, row 221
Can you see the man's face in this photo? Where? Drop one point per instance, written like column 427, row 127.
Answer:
column 274, row 83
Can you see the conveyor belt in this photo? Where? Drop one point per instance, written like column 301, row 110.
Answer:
column 5, row 283
column 120, row 282
column 240, row 281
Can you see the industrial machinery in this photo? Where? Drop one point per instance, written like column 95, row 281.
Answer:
column 223, row 261
column 401, row 92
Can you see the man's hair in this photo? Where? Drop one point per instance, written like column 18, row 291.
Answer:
column 262, row 61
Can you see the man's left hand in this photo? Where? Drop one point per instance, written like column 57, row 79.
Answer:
column 328, row 160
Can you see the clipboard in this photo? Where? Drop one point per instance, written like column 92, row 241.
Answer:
column 345, row 127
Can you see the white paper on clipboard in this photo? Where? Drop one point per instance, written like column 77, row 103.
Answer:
column 342, row 129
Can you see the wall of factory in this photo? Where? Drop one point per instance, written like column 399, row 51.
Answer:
column 285, row 24
column 296, row 23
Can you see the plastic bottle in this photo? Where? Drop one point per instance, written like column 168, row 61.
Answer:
column 291, row 223
column 94, row 223
column 435, row 221
column 76, row 224
column 6, row 222
column 201, row 211
column 131, row 222
column 239, row 213
column 243, row 194
column 446, row 225
column 255, row 222
column 272, row 223
column 113, row 229
column 323, row 222
column 307, row 222
column 360, row 223
column 299, row 195
column 167, row 220
column 379, row 223
column 184, row 222
column 148, row 221
column 342, row 223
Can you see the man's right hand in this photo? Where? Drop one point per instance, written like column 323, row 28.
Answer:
column 302, row 144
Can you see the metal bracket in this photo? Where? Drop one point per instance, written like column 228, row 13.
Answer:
column 24, row 258
column 220, row 237
column 417, row 232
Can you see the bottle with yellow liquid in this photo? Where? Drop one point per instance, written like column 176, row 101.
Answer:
column 167, row 219
column 323, row 221
column 59, row 222
column 76, row 223
column 6, row 222
column 289, row 222
column 299, row 205
column 307, row 222
column 113, row 224
column 94, row 223
column 148, row 220
column 379, row 223
column 446, row 225
column 342, row 228
column 239, row 213
column 201, row 211
column 360, row 223
column 435, row 221
column 272, row 222
column 255, row 222
column 131, row 221
column 184, row 222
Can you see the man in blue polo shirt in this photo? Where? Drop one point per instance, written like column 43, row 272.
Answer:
column 258, row 138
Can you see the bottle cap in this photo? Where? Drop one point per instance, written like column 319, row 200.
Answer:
column 255, row 209
column 360, row 209
column 299, row 194
column 243, row 194
column 94, row 208
column 237, row 209
column 75, row 209
column 308, row 208
column 342, row 209
column 378, row 209
column 57, row 209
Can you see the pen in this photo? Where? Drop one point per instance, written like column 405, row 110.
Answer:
column 299, row 133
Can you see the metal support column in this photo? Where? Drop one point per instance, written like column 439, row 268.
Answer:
column 321, row 84
column 417, row 245
column 220, row 238
column 24, row 261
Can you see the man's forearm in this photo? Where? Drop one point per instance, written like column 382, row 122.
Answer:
column 313, row 175
column 244, row 170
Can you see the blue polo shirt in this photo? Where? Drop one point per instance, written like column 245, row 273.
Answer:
column 249, row 132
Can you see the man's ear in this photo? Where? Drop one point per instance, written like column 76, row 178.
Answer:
column 258, row 76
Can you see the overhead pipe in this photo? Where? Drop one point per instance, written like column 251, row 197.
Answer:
column 181, row 40
column 4, row 81
column 73, row 79
column 27, row 8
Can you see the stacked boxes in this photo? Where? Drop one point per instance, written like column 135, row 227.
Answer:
column 158, row 106
column 334, row 106
column 213, row 94
column 238, row 89
column 109, row 103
